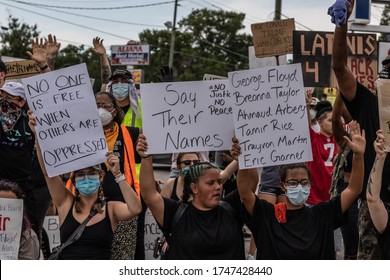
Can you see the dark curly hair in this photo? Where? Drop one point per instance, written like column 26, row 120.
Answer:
column 192, row 176
column 285, row 168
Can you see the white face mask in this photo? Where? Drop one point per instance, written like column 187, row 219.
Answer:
column 105, row 116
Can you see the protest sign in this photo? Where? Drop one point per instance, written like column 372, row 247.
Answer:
column 68, row 129
column 384, row 108
column 152, row 232
column 51, row 225
column 270, row 117
column 207, row 77
column 273, row 37
column 21, row 69
column 11, row 217
column 314, row 51
column 187, row 116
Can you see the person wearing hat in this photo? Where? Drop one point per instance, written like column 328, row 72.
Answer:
column 96, row 239
column 362, row 105
column 121, row 85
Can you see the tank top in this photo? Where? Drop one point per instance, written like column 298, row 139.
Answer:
column 174, row 195
column 94, row 243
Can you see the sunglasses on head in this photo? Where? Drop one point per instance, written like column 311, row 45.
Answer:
column 189, row 162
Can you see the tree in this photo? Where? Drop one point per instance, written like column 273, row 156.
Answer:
column 207, row 41
column 72, row 55
column 385, row 20
column 16, row 41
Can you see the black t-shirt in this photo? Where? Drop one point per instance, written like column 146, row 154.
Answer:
column 307, row 234
column 364, row 109
column 384, row 240
column 205, row 235
column 16, row 149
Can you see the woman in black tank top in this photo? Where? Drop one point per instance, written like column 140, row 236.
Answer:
column 73, row 210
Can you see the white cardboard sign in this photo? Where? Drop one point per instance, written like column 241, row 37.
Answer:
column 68, row 129
column 270, row 118
column 11, row 217
column 51, row 225
column 187, row 116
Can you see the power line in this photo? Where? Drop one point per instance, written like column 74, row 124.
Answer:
column 92, row 8
column 72, row 23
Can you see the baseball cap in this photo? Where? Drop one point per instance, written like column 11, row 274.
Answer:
column 14, row 89
column 3, row 67
column 386, row 60
column 121, row 72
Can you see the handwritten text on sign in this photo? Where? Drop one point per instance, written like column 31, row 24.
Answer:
column 187, row 116
column 270, row 118
column 69, row 130
column 11, row 216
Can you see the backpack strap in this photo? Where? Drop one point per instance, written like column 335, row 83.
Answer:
column 180, row 211
column 227, row 207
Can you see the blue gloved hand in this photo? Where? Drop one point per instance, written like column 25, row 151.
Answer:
column 338, row 12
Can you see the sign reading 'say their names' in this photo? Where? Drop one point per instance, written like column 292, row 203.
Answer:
column 187, row 116
column 68, row 129
column 270, row 117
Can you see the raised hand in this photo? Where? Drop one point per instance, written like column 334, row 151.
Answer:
column 235, row 150
column 166, row 74
column 38, row 54
column 380, row 144
column 142, row 146
column 52, row 47
column 98, row 47
column 358, row 143
column 113, row 163
column 32, row 122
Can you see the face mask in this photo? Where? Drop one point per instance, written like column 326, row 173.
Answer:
column 10, row 113
column 88, row 186
column 184, row 170
column 298, row 195
column 120, row 91
column 105, row 116
column 312, row 114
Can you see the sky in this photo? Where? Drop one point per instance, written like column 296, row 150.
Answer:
column 117, row 21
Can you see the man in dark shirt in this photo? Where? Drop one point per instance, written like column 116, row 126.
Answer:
column 363, row 107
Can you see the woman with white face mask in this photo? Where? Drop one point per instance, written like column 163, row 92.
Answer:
column 292, row 230
column 96, row 239
column 121, row 141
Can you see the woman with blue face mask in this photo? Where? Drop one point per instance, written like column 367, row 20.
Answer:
column 291, row 230
column 95, row 241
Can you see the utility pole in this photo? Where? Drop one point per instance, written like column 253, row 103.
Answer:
column 173, row 31
column 278, row 9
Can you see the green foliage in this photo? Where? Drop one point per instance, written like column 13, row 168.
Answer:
column 207, row 41
column 72, row 55
column 16, row 41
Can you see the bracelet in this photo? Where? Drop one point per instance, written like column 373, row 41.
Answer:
column 120, row 178
column 147, row 156
column 44, row 67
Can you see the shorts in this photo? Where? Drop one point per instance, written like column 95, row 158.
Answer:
column 270, row 190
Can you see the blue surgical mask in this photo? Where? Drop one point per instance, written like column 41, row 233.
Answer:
column 89, row 185
column 298, row 195
column 184, row 170
column 120, row 91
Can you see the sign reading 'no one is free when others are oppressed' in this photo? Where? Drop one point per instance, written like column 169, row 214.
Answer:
column 68, row 129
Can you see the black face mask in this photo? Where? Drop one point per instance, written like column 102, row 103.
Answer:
column 9, row 113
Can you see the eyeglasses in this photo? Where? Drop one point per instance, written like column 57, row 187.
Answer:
column 189, row 162
column 80, row 177
column 295, row 183
column 105, row 105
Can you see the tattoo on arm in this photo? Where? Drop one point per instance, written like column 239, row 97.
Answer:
column 50, row 62
column 106, row 72
column 370, row 182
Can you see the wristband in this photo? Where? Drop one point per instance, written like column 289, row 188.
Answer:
column 120, row 178
column 44, row 67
